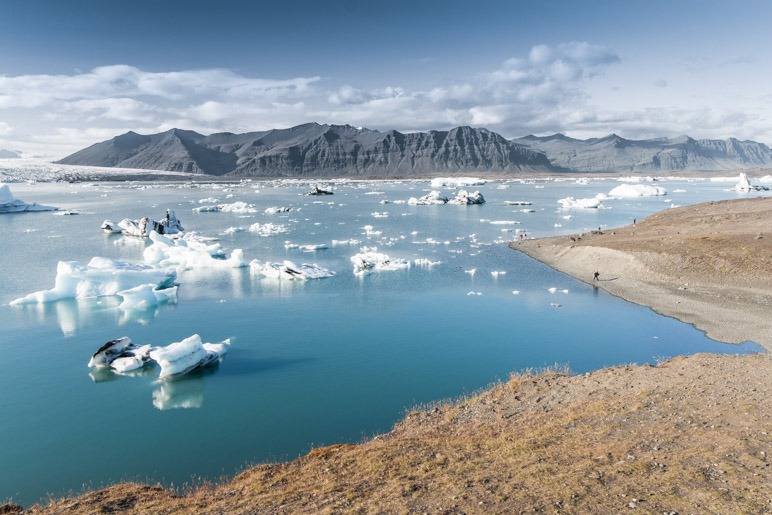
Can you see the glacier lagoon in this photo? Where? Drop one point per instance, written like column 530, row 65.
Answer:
column 311, row 363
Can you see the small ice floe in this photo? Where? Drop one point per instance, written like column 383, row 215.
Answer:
column 526, row 210
column 456, row 182
column 275, row 210
column 209, row 200
column 370, row 231
column 463, row 197
column 426, row 262
column 375, row 193
column 496, row 273
column 233, row 230
column 580, row 203
column 567, row 217
column 637, row 190
column 679, row 191
column 290, row 270
column 121, row 355
column 318, row 191
column 10, row 204
column 110, row 227
column 555, row 304
column 504, row 222
column 432, row 198
column 184, row 254
column 370, row 260
column 382, row 214
column 515, row 292
column 235, row 207
column 552, row 290
column 67, row 212
column 267, row 229
column 305, row 248
column 146, row 296
column 517, row 203
column 336, row 243
column 471, row 293
column 100, row 277
column 144, row 226
column 558, row 225
column 471, row 271
column 185, row 356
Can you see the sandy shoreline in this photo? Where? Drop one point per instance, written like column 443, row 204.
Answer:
column 709, row 265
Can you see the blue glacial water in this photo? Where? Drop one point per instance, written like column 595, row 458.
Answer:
column 315, row 363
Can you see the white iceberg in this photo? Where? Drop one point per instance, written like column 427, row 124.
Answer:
column 144, row 226
column 235, row 207
column 110, row 227
column 456, row 182
column 145, row 296
column 187, row 355
column 121, row 355
column 100, row 277
column 463, row 197
column 187, row 254
column 267, row 229
column 637, row 190
column 289, row 270
column 744, row 185
column 275, row 210
column 10, row 204
column 371, row 260
column 580, row 203
column 431, row 198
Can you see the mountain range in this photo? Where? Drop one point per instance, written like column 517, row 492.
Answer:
column 313, row 150
column 9, row 154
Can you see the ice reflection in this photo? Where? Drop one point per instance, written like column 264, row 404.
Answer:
column 183, row 393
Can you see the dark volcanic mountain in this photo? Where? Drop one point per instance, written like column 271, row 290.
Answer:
column 617, row 154
column 313, row 150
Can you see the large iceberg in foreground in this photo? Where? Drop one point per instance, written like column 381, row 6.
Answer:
column 185, row 253
column 10, row 204
column 637, row 190
column 100, row 277
column 463, row 197
column 289, row 270
column 187, row 355
column 144, row 226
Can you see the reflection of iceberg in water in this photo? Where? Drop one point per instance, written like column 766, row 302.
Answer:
column 104, row 374
column 180, row 394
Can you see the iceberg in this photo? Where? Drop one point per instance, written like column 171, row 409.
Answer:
column 110, row 227
column 432, row 198
column 144, row 226
column 637, row 190
column 316, row 190
column 100, row 277
column 235, row 207
column 182, row 357
column 145, row 296
column 121, row 355
column 187, row 254
column 456, row 182
column 580, row 203
column 267, row 229
column 744, row 185
column 289, row 270
column 371, row 260
column 274, row 210
column 463, row 197
column 10, row 204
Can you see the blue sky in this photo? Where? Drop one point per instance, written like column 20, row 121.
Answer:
column 76, row 72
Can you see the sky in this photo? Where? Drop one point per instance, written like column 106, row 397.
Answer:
column 77, row 72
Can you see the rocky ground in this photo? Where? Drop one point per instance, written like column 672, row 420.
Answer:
column 692, row 435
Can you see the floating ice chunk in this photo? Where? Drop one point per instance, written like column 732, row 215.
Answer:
column 558, row 225
column 517, row 203
column 145, row 296
column 431, row 198
column 182, row 255
column 10, row 204
column 109, row 351
column 552, row 290
column 233, row 230
column 370, row 260
column 555, row 304
column 187, row 355
column 290, row 270
column 463, row 197
column 318, row 191
column 267, row 229
column 274, row 210
column 383, row 214
column 564, row 291
column 745, row 185
column 209, row 200
column 679, row 191
column 345, row 242
column 144, row 226
column 235, row 207
column 504, row 222
column 637, row 190
column 581, row 203
column 471, row 271
column 515, row 292
column 110, row 227
column 497, row 273
column 134, row 359
column 456, row 182
column 100, row 277
column 474, row 293
column 426, row 262
column 306, row 248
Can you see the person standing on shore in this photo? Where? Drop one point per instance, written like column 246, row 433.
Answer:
column 596, row 277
